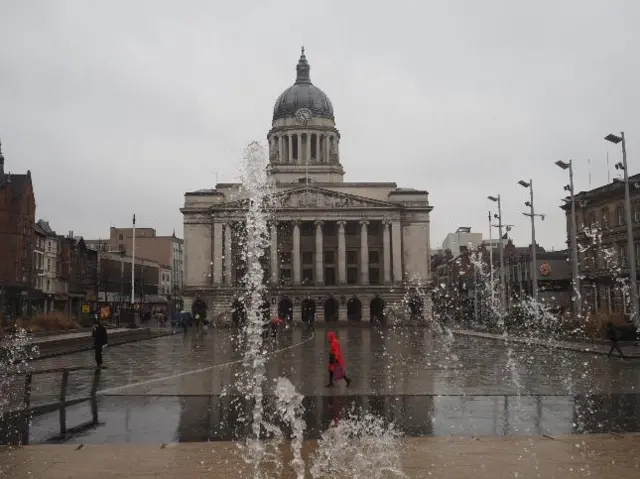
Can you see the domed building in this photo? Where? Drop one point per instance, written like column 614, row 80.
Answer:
column 340, row 250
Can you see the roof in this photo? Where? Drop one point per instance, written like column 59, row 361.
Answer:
column 303, row 95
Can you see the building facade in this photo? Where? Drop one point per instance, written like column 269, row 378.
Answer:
column 17, row 222
column 47, row 246
column 602, row 235
column 167, row 251
column 462, row 237
column 340, row 245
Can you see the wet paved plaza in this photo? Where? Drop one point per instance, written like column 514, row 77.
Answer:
column 181, row 388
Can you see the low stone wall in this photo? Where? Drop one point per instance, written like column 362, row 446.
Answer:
column 58, row 346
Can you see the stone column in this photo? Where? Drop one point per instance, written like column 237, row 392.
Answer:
column 281, row 149
column 396, row 246
column 274, row 253
column 290, row 152
column 327, row 150
column 217, row 253
column 299, row 148
column 386, row 252
column 319, row 276
column 309, row 147
column 364, row 254
column 296, row 253
column 342, row 253
column 228, row 255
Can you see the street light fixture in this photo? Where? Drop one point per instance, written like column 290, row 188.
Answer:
column 503, row 299
column 577, row 295
column 631, row 256
column 534, row 262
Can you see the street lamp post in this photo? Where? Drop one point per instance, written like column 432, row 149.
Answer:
column 631, row 256
column 534, row 263
column 503, row 299
column 577, row 295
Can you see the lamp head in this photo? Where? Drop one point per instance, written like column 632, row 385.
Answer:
column 615, row 139
column 563, row 164
column 492, row 198
column 524, row 183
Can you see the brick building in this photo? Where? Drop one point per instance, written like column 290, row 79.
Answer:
column 166, row 251
column 602, row 235
column 17, row 221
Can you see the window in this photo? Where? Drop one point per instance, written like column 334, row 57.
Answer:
column 329, row 229
column 307, row 229
column 352, row 257
column 605, row 217
column 373, row 229
column 307, row 275
column 330, row 276
column 374, row 257
column 351, row 228
column 374, row 276
column 620, row 215
column 352, row 275
column 120, row 236
column 307, row 257
column 622, row 255
column 285, row 257
column 329, row 257
column 285, row 276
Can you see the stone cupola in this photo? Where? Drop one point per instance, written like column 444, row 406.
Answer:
column 303, row 140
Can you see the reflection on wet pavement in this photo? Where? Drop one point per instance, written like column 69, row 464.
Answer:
column 135, row 419
column 181, row 387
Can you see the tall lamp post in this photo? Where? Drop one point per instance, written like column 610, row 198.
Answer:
column 577, row 296
column 631, row 254
column 532, row 214
column 503, row 299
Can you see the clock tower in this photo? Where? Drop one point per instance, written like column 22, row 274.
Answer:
column 303, row 140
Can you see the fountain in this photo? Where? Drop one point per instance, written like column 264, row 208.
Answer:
column 16, row 352
column 362, row 444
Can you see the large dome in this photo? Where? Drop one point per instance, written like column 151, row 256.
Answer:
column 303, row 94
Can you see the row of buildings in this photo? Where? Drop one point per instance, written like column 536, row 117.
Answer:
column 602, row 255
column 42, row 271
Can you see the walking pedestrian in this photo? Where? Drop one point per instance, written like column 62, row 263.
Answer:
column 337, row 366
column 100, row 340
column 614, row 334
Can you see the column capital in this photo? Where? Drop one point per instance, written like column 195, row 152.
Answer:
column 386, row 222
column 342, row 223
column 318, row 222
column 364, row 222
column 296, row 222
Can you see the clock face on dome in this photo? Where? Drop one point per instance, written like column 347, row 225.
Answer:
column 303, row 115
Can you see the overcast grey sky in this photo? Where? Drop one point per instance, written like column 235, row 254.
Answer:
column 122, row 106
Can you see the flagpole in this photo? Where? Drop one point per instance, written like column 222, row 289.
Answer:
column 133, row 265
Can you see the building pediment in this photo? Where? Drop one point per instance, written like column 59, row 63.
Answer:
column 312, row 197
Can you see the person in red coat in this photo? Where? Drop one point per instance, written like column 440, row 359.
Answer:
column 337, row 366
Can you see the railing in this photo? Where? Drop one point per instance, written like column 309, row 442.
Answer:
column 62, row 402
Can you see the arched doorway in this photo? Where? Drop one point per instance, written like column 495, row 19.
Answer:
column 416, row 307
column 331, row 308
column 376, row 310
column 308, row 307
column 285, row 309
column 238, row 312
column 354, row 309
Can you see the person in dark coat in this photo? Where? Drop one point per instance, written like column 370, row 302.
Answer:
column 614, row 334
column 100, row 340
column 199, row 309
